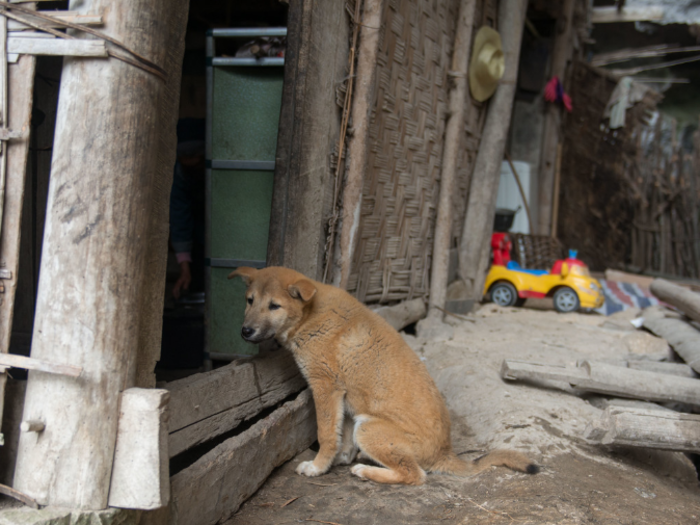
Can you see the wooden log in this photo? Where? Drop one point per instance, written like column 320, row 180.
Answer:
column 683, row 337
column 454, row 132
column 478, row 223
column 213, row 488
column 106, row 178
column 643, row 427
column 358, row 145
column 24, row 45
column 21, row 85
column 675, row 369
column 141, row 477
column 610, row 15
column 402, row 314
column 561, row 54
column 204, row 406
column 685, row 300
column 610, row 379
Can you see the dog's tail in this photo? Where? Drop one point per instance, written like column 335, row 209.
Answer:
column 451, row 464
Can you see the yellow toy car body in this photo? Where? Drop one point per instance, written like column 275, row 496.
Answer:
column 569, row 283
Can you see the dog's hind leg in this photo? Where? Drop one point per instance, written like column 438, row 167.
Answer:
column 348, row 449
column 386, row 444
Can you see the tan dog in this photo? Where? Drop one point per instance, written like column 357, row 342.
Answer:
column 370, row 389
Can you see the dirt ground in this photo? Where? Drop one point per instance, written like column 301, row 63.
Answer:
column 579, row 483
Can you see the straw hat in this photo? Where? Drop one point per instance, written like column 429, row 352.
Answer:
column 487, row 64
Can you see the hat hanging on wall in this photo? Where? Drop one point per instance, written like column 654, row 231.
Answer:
column 487, row 65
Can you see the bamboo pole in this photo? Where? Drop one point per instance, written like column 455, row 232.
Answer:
column 459, row 98
column 478, row 223
column 114, row 148
column 362, row 104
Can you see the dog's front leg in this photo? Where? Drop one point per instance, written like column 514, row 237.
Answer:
column 329, row 417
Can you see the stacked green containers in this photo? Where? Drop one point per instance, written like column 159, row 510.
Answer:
column 244, row 96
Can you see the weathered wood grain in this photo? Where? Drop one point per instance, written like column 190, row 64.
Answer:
column 25, row 45
column 610, row 379
column 212, row 489
column 141, row 477
column 106, row 166
column 682, row 298
column 19, row 361
column 682, row 336
column 208, row 405
column 21, row 84
column 642, row 427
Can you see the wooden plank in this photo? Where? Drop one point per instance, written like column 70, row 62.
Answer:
column 140, row 477
column 611, row 380
column 610, row 15
column 624, row 277
column 212, row 489
column 90, row 309
column 67, row 16
column 28, row 363
column 24, row 45
column 683, row 337
column 642, row 427
column 208, row 405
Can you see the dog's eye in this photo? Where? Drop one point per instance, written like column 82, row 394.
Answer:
column 274, row 306
column 250, row 300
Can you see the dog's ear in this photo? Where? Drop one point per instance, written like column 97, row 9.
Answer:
column 303, row 289
column 244, row 273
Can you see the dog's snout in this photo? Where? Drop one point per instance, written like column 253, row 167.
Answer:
column 247, row 332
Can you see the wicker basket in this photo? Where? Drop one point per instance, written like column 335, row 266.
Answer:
column 535, row 251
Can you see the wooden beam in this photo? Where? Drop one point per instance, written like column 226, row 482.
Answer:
column 91, row 307
column 402, row 314
column 643, row 427
column 24, row 45
column 28, row 363
column 212, row 489
column 610, row 379
column 675, row 369
column 478, row 222
column 609, row 15
column 141, row 477
column 205, row 406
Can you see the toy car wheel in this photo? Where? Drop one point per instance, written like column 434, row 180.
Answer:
column 504, row 294
column 566, row 300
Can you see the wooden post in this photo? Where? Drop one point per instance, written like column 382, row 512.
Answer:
column 459, row 97
column 478, row 223
column 317, row 51
column 682, row 298
column 21, row 84
column 550, row 138
column 363, row 101
column 112, row 156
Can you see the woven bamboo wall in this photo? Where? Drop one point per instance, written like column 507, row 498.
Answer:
column 400, row 194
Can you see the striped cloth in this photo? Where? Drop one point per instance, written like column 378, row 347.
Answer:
column 621, row 296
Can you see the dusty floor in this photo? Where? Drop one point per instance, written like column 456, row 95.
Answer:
column 580, row 483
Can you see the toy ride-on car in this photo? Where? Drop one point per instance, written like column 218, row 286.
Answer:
column 569, row 282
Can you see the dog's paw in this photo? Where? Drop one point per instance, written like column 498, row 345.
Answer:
column 307, row 468
column 358, row 470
